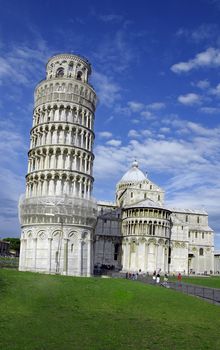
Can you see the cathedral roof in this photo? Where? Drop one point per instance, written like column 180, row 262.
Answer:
column 147, row 203
column 134, row 174
column 189, row 211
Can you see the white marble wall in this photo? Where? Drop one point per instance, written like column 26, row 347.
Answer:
column 63, row 250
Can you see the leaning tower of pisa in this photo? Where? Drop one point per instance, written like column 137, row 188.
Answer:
column 57, row 213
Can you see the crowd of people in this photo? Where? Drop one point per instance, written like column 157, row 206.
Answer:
column 156, row 277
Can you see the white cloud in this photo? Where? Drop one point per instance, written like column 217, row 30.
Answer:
column 156, row 106
column 146, row 132
column 210, row 110
column 202, row 84
column 205, row 32
column 147, row 115
column 135, row 121
column 135, row 106
column 116, row 51
column 22, row 63
column 189, row 99
column 114, row 143
column 198, row 155
column 165, row 130
column 13, row 142
column 133, row 133
column 107, row 90
column 111, row 18
column 105, row 134
column 5, row 67
column 139, row 133
column 198, row 129
column 215, row 91
column 208, row 58
column 189, row 167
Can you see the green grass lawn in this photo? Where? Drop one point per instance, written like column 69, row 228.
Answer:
column 211, row 281
column 41, row 312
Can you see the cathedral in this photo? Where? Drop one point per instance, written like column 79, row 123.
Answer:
column 63, row 229
column 139, row 233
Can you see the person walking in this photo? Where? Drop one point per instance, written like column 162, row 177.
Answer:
column 179, row 278
column 158, row 278
column 165, row 280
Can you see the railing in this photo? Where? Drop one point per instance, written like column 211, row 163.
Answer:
column 65, row 97
column 206, row 293
column 9, row 262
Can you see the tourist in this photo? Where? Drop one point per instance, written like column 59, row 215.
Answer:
column 165, row 279
column 158, row 278
column 179, row 278
column 154, row 276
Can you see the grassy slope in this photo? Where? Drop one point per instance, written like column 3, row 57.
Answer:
column 63, row 313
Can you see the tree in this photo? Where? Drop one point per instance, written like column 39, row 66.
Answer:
column 14, row 243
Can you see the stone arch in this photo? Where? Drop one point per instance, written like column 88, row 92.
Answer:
column 161, row 241
column 56, row 234
column 41, row 234
column 84, row 235
column 60, row 72
column 152, row 241
column 74, row 235
column 29, row 234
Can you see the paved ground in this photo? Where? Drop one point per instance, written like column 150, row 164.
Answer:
column 209, row 294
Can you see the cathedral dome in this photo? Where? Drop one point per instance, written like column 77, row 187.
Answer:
column 133, row 174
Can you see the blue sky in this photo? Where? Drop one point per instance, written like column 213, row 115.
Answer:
column 156, row 70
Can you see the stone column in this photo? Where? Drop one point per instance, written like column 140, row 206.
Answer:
column 124, row 267
column 49, row 254
column 22, row 250
column 89, row 265
column 146, row 257
column 80, row 187
column 166, row 259
column 162, row 259
column 129, row 254
column 156, row 253
column 80, row 258
column 136, row 257
column 65, row 257
column 34, row 253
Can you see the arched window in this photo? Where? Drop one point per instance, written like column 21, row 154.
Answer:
column 150, row 228
column 201, row 251
column 71, row 66
column 116, row 251
column 79, row 75
column 60, row 72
